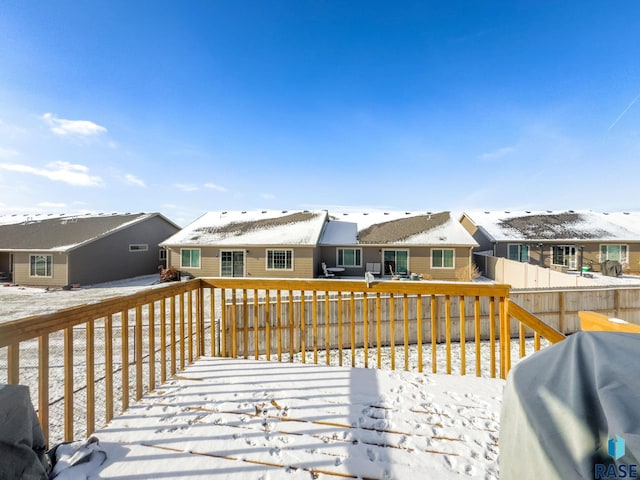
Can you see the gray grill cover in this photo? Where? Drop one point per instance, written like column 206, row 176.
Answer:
column 22, row 444
column 562, row 404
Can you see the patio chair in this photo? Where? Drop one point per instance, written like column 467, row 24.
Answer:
column 326, row 272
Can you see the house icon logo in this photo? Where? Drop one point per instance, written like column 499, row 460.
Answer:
column 616, row 447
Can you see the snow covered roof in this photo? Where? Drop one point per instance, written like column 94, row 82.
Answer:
column 409, row 228
column 257, row 227
column 582, row 225
column 60, row 232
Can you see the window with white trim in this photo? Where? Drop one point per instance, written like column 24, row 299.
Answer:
column 564, row 255
column 162, row 254
column 190, row 258
column 614, row 252
column 349, row 257
column 442, row 258
column 138, row 247
column 40, row 265
column 279, row 259
column 518, row 252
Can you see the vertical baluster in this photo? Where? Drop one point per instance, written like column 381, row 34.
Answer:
column 365, row 315
column 405, row 311
column 463, row 337
column 13, row 364
column 447, row 328
column 152, row 345
column 223, row 322
column 172, row 328
column 290, row 317
column 340, row 337
column 124, row 349
column 90, row 378
column 521, row 334
column 234, row 320
column 492, row 337
column 245, row 325
column 279, row 323
column 190, row 325
column 163, row 340
column 68, row 384
column 392, row 329
column 303, row 326
column 314, row 319
column 477, row 333
column 108, row 366
column 212, row 316
column 434, row 334
column 43, row 385
column 379, row 329
column 267, row 322
column 419, row 327
column 138, row 352
column 256, row 325
column 327, row 336
column 536, row 341
column 183, row 347
column 352, row 324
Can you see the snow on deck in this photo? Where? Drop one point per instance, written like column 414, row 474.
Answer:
column 245, row 419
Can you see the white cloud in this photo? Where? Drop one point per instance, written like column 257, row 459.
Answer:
column 499, row 153
column 213, row 186
column 8, row 152
column 66, row 172
column 186, row 187
column 52, row 205
column 84, row 128
column 133, row 180
column 268, row 196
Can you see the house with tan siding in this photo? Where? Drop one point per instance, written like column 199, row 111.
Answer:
column 562, row 240
column 59, row 250
column 257, row 243
column 425, row 244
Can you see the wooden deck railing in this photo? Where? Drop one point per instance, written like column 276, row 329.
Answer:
column 85, row 364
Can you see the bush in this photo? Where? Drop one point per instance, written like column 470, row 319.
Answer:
column 468, row 274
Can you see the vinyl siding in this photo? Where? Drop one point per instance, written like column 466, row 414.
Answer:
column 21, row 270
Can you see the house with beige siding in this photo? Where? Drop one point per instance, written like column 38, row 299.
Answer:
column 257, row 243
column 405, row 244
column 59, row 250
column 562, row 240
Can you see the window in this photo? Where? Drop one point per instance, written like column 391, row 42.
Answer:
column 138, row 247
column 564, row 255
column 396, row 261
column 614, row 252
column 162, row 254
column 40, row 265
column 232, row 263
column 442, row 258
column 349, row 257
column 279, row 259
column 519, row 253
column 190, row 258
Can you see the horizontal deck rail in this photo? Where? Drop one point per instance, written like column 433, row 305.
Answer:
column 85, row 364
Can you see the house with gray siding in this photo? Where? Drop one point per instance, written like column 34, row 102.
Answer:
column 562, row 240
column 59, row 250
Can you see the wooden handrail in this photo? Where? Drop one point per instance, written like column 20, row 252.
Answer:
column 597, row 322
column 534, row 323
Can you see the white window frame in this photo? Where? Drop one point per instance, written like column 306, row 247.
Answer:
column 520, row 246
column 199, row 258
column 288, row 251
column 453, row 259
column 138, row 247
column 342, row 264
column 33, row 273
column 621, row 245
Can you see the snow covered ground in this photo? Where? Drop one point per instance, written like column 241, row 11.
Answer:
column 241, row 419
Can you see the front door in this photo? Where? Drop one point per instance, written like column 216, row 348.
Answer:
column 232, row 263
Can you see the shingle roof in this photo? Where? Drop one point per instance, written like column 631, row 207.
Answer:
column 61, row 233
column 558, row 225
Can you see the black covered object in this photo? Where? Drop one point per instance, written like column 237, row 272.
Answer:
column 22, row 443
column 611, row 268
column 563, row 404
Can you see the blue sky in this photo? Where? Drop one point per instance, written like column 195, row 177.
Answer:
column 185, row 107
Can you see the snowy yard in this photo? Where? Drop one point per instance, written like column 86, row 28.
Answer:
column 241, row 419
